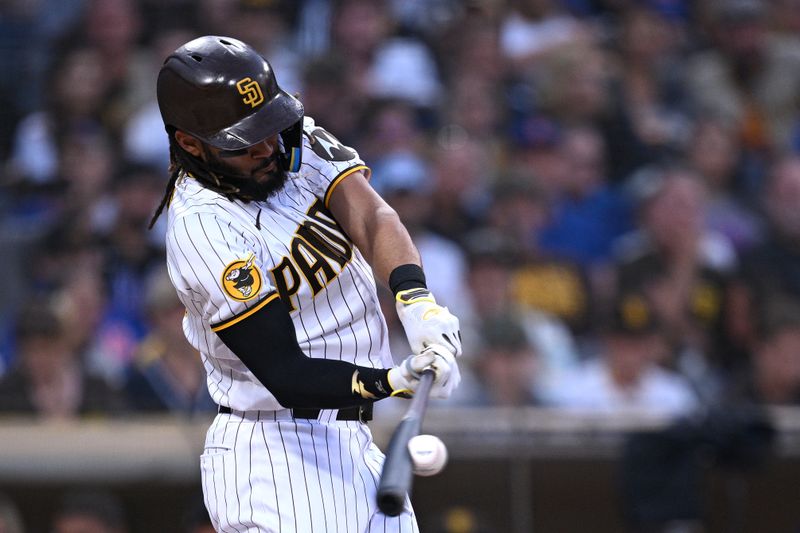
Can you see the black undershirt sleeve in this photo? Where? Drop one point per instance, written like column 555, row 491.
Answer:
column 266, row 343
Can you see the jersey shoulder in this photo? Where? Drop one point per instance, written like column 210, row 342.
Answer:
column 191, row 197
column 322, row 148
column 325, row 158
column 194, row 204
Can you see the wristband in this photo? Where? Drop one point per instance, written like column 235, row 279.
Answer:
column 408, row 276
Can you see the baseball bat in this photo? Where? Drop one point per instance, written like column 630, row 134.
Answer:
column 397, row 475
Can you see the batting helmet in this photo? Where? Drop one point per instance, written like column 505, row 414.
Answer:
column 223, row 92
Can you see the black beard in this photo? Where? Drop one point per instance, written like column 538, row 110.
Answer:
column 249, row 187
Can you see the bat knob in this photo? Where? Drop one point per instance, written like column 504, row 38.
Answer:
column 390, row 502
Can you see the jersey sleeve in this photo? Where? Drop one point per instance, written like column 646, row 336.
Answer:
column 219, row 268
column 326, row 161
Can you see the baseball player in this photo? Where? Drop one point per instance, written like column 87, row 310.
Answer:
column 274, row 241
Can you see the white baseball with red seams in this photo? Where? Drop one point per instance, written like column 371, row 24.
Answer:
column 428, row 454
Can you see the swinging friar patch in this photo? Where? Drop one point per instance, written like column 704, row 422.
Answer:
column 242, row 279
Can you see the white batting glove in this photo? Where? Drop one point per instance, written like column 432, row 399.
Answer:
column 448, row 376
column 427, row 322
column 404, row 378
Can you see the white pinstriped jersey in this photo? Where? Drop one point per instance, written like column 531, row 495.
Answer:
column 229, row 258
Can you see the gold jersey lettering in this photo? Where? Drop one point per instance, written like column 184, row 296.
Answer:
column 318, row 246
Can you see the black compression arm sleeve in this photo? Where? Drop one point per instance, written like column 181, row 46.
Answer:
column 266, row 343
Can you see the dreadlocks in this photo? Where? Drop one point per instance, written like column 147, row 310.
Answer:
column 181, row 160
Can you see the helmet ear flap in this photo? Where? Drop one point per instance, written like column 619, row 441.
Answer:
column 292, row 140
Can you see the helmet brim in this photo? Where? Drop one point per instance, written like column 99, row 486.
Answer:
column 280, row 113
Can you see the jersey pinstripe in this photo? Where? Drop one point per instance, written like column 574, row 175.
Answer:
column 299, row 253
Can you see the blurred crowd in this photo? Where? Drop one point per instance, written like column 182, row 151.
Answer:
column 87, row 509
column 606, row 192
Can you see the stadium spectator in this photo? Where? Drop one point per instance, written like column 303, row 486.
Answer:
column 651, row 89
column 49, row 380
column 461, row 176
column 504, row 372
column 683, row 267
column 573, row 85
column 714, row 153
column 89, row 511
column 518, row 210
column 626, row 375
column 502, row 132
column 394, row 132
column 534, row 28
column 505, row 283
column 773, row 375
column 114, row 28
column 749, row 76
column 77, row 92
column 143, row 140
column 166, row 375
column 771, row 270
column 105, row 339
column 588, row 213
column 540, row 283
column 130, row 255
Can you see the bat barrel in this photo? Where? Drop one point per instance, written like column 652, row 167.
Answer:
column 397, row 473
column 397, row 470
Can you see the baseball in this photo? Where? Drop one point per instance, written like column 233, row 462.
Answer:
column 428, row 454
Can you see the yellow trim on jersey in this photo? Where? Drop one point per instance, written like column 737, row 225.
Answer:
column 238, row 318
column 338, row 180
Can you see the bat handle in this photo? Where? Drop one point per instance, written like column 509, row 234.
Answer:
column 420, row 400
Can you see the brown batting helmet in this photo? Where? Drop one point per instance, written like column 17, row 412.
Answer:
column 223, row 92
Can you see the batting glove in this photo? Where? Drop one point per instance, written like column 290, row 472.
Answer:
column 427, row 322
column 404, row 378
column 448, row 376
